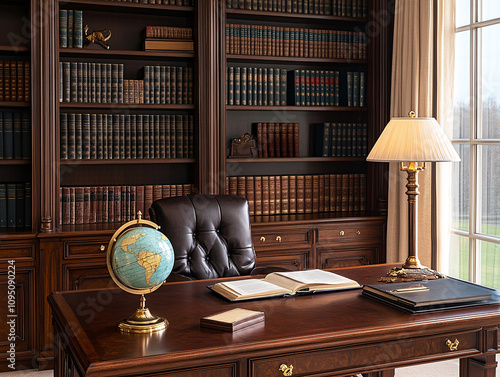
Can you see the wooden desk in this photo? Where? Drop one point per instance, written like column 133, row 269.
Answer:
column 327, row 334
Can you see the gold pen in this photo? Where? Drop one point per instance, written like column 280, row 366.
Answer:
column 419, row 288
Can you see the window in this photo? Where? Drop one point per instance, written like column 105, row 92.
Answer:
column 475, row 233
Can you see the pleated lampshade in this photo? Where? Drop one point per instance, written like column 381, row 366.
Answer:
column 411, row 139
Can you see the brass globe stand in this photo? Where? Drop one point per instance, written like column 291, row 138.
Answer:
column 142, row 321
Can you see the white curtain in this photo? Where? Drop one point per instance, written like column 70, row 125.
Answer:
column 422, row 81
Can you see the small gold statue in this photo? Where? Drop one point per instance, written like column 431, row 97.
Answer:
column 100, row 37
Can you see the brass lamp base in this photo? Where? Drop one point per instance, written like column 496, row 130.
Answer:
column 412, row 270
column 142, row 321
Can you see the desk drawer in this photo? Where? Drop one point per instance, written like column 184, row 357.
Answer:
column 349, row 232
column 361, row 358
column 277, row 237
column 77, row 249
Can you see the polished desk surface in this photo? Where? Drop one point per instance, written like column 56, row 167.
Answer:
column 331, row 320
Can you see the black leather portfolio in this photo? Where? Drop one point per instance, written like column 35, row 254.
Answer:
column 430, row 295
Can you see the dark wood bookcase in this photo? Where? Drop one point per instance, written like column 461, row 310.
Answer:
column 50, row 256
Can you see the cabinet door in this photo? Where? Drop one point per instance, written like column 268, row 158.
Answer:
column 93, row 275
column 348, row 257
column 18, row 312
column 291, row 259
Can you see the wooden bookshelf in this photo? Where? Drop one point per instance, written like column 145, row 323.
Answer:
column 51, row 256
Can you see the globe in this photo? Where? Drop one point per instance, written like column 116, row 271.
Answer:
column 142, row 258
column 139, row 259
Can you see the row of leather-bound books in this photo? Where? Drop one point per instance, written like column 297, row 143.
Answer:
column 70, row 28
column 104, row 204
column 15, row 205
column 183, row 3
column 84, row 82
column 296, row 42
column 278, row 139
column 14, row 80
column 15, row 135
column 119, row 136
column 297, row 194
column 341, row 8
column 340, row 139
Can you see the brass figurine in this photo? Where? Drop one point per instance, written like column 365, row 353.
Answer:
column 99, row 37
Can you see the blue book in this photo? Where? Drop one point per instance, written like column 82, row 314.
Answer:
column 355, row 89
column 11, row 205
column 270, row 86
column 1, row 137
column 237, row 85
column 243, row 86
column 260, row 88
column 322, row 139
column 362, row 86
column 8, row 135
column 3, row 205
column 78, row 29
column 334, row 140
column 63, row 28
column 20, row 201
column 25, row 136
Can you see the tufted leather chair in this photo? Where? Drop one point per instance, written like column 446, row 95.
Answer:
column 210, row 234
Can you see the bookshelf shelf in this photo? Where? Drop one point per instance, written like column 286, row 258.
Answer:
column 126, row 54
column 294, row 159
column 130, row 161
column 74, row 105
column 9, row 49
column 110, row 6
column 288, row 17
column 14, row 162
column 289, row 60
column 14, row 104
column 296, row 108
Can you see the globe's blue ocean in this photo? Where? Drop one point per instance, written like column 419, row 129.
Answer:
column 142, row 258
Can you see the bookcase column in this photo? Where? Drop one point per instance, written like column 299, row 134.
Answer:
column 44, row 110
column 211, row 148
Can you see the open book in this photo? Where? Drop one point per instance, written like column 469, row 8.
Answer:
column 283, row 283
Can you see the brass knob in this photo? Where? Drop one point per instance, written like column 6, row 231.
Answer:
column 358, row 233
column 453, row 345
column 102, row 248
column 287, row 370
column 262, row 239
column 278, row 238
column 341, row 232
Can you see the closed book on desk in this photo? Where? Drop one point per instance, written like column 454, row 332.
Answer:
column 283, row 284
column 232, row 320
column 428, row 295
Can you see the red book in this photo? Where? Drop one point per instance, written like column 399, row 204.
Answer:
column 258, row 195
column 250, row 194
column 93, row 205
column 139, row 200
column 66, row 205
column 118, row 203
column 277, row 140
column 265, row 195
column 265, row 147
column 105, row 204
column 148, row 200
column 72, row 204
column 111, row 204
column 284, row 194
column 292, row 194
column 277, row 194
column 79, row 204
column 321, row 193
column 300, row 193
column 272, row 195
column 259, row 139
column 308, row 193
column 99, row 206
column 296, row 144
column 270, row 140
column 133, row 203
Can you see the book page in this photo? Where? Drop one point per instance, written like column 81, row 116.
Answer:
column 314, row 279
column 248, row 288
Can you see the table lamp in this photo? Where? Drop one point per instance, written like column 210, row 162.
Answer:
column 412, row 141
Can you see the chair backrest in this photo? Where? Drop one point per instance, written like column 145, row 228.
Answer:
column 210, row 234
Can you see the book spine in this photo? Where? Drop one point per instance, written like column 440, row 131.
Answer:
column 63, row 28
column 78, row 29
column 11, row 205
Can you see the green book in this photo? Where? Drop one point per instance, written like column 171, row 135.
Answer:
column 3, row 205
column 11, row 205
column 322, row 140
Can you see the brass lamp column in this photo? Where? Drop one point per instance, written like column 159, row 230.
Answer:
column 412, row 141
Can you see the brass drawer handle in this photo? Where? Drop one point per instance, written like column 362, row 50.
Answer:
column 262, row 239
column 453, row 345
column 102, row 248
column 341, row 232
column 358, row 233
column 287, row 370
column 278, row 238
